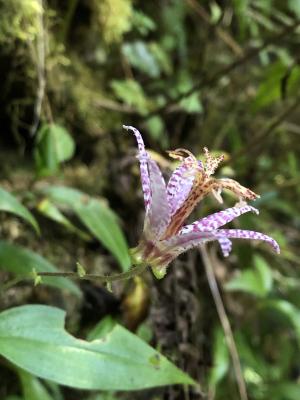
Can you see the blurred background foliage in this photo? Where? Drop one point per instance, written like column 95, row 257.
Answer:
column 216, row 73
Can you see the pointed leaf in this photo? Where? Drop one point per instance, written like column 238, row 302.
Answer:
column 48, row 209
column 101, row 221
column 11, row 204
column 257, row 282
column 21, row 262
column 53, row 145
column 287, row 309
column 33, row 337
column 221, row 359
column 102, row 328
column 32, row 388
column 247, row 281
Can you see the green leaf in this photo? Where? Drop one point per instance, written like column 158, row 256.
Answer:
column 32, row 388
column 257, row 282
column 156, row 128
column 191, row 104
column 142, row 22
column 289, row 310
column 264, row 272
column 132, row 94
column 247, row 281
column 33, row 338
column 255, row 366
column 102, row 328
column 140, row 56
column 220, row 358
column 48, row 209
column 280, row 80
column 294, row 5
column 21, row 262
column 53, row 145
column 9, row 203
column 101, row 221
column 283, row 391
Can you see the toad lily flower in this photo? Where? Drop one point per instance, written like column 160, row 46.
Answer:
column 167, row 206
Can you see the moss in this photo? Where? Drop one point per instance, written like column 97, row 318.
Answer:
column 114, row 17
column 19, row 20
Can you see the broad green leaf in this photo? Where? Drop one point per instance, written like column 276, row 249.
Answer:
column 21, row 262
column 141, row 57
column 101, row 221
column 47, row 208
column 102, row 328
column 145, row 332
column 294, row 5
column 33, row 338
column 32, row 388
column 64, row 143
column 289, row 310
column 283, row 391
column 45, row 156
column 257, row 282
column 256, row 367
column 220, row 358
column 9, row 203
column 142, row 22
column 191, row 104
column 280, row 80
column 264, row 272
column 247, row 281
column 156, row 128
column 132, row 94
column 53, row 146
column 162, row 57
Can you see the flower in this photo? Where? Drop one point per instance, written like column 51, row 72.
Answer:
column 164, row 235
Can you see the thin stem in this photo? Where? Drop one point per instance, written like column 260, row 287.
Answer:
column 222, row 34
column 102, row 278
column 268, row 130
column 40, row 65
column 224, row 322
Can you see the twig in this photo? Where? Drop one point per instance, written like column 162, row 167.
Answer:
column 114, row 106
column 223, row 35
column 100, row 278
column 224, row 322
column 40, row 65
column 268, row 130
column 207, row 82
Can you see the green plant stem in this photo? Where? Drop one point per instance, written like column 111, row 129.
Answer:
column 224, row 322
column 102, row 278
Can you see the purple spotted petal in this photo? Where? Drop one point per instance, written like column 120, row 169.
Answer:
column 179, row 185
column 244, row 234
column 181, row 243
column 226, row 246
column 214, row 221
column 158, row 216
column 143, row 158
